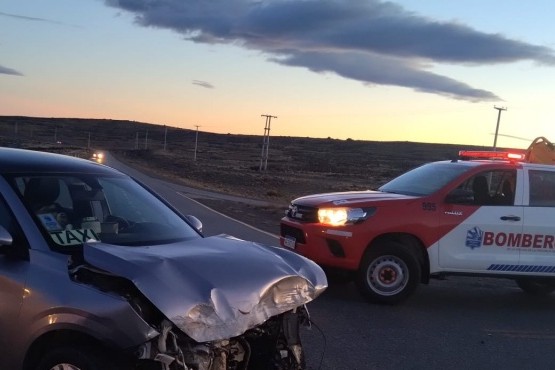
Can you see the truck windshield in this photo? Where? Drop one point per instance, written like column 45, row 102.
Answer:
column 426, row 179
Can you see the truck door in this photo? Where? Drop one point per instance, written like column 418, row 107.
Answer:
column 480, row 221
column 537, row 247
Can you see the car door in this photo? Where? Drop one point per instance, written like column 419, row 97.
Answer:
column 480, row 222
column 537, row 248
column 13, row 272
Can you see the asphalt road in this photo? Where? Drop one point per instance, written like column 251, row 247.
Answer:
column 459, row 323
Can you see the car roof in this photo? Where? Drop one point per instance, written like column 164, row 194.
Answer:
column 31, row 161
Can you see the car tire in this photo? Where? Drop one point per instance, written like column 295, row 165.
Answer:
column 389, row 273
column 536, row 287
column 76, row 358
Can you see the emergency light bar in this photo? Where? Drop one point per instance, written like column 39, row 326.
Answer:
column 484, row 154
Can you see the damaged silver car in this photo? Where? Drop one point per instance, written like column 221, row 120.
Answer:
column 99, row 273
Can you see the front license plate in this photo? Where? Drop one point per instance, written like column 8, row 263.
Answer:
column 289, row 242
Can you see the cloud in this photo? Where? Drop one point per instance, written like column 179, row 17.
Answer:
column 203, row 84
column 370, row 41
column 33, row 19
column 9, row 71
column 376, row 69
column 22, row 17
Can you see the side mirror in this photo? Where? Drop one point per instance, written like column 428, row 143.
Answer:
column 6, row 238
column 195, row 222
column 460, row 196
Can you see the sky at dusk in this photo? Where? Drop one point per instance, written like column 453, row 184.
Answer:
column 407, row 70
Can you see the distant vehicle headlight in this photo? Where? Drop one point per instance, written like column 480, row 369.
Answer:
column 339, row 216
column 97, row 156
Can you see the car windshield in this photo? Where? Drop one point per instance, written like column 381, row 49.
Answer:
column 425, row 180
column 77, row 208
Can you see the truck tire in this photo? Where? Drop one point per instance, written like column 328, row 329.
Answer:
column 536, row 287
column 388, row 273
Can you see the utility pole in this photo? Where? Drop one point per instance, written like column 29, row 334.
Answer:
column 165, row 136
column 499, row 109
column 196, row 143
column 137, row 140
column 89, row 141
column 265, row 142
column 146, row 139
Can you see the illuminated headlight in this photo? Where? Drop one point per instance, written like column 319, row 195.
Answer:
column 100, row 155
column 338, row 216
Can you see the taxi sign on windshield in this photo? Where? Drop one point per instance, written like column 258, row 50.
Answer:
column 74, row 236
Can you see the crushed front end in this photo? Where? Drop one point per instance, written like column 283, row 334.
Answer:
column 273, row 345
column 212, row 308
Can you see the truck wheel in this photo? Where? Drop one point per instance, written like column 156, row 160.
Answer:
column 75, row 358
column 389, row 273
column 536, row 287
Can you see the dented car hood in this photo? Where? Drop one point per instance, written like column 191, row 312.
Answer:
column 214, row 288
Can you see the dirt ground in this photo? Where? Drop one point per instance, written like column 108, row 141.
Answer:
column 318, row 166
column 265, row 218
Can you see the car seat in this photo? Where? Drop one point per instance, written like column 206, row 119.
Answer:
column 41, row 192
column 508, row 194
column 481, row 190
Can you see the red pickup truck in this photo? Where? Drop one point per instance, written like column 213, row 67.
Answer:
column 484, row 214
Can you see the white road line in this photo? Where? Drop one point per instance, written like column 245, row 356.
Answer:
column 230, row 218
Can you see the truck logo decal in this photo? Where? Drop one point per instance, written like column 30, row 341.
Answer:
column 474, row 238
column 453, row 213
column 536, row 241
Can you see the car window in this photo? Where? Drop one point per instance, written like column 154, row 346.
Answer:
column 73, row 209
column 542, row 188
column 425, row 179
column 490, row 188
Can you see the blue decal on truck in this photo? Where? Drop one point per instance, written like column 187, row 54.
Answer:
column 474, row 238
column 523, row 268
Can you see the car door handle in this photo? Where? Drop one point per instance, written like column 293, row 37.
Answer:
column 510, row 218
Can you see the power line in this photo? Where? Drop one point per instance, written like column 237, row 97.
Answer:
column 165, row 136
column 265, row 142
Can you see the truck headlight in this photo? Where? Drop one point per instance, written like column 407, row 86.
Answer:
column 339, row 216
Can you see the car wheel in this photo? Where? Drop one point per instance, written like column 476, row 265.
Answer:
column 389, row 273
column 75, row 358
column 535, row 286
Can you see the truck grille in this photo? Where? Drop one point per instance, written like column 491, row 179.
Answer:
column 302, row 213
